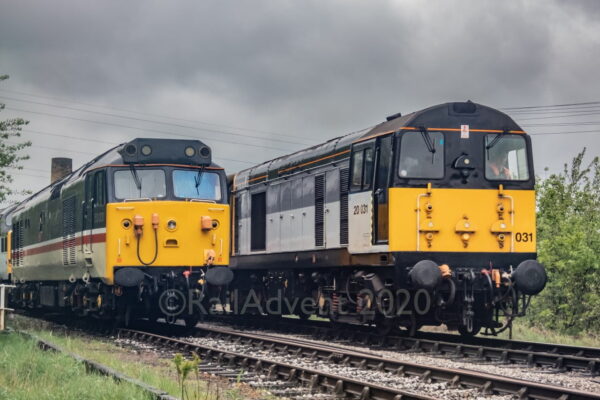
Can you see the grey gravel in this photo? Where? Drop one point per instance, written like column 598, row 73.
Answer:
column 570, row 379
column 411, row 384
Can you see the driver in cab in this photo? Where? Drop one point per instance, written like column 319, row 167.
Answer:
column 497, row 165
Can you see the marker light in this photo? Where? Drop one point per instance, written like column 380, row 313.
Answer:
column 190, row 151
column 204, row 151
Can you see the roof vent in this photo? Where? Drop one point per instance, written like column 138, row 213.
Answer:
column 391, row 117
column 464, row 108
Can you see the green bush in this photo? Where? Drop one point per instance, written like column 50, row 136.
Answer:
column 568, row 231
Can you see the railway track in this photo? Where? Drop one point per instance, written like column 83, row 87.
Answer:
column 289, row 374
column 339, row 386
column 488, row 384
column 558, row 357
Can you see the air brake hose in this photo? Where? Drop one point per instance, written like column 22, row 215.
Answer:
column 451, row 297
column 155, row 248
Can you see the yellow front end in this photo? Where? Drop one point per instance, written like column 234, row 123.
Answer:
column 462, row 220
column 190, row 234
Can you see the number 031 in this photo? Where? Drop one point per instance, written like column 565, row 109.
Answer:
column 524, row 237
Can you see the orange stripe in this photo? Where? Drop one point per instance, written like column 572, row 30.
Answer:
column 257, row 178
column 314, row 161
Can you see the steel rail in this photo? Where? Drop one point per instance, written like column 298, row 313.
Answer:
column 456, row 378
column 533, row 354
column 316, row 380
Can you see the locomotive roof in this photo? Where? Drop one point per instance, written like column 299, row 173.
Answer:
column 446, row 116
column 114, row 157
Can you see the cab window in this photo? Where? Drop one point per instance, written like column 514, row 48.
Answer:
column 421, row 155
column 140, row 183
column 197, row 184
column 506, row 158
column 362, row 168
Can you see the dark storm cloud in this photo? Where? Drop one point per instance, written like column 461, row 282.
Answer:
column 314, row 69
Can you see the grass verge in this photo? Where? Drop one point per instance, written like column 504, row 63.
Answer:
column 27, row 372
column 523, row 330
column 153, row 368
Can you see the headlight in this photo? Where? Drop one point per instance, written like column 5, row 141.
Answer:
column 171, row 225
column 190, row 151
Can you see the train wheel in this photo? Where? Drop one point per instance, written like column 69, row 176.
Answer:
column 385, row 326
column 191, row 321
column 411, row 326
column 466, row 333
column 124, row 317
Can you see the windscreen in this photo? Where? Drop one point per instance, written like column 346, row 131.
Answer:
column 197, row 184
column 421, row 155
column 140, row 183
column 506, row 158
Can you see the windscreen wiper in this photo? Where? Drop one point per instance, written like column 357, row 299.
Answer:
column 427, row 139
column 198, row 179
column 136, row 179
column 496, row 139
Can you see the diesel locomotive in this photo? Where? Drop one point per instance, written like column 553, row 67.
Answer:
column 5, row 230
column 138, row 231
column 426, row 219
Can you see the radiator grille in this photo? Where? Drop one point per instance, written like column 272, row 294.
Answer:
column 68, row 248
column 17, row 256
column 236, row 225
column 319, row 210
column 344, row 176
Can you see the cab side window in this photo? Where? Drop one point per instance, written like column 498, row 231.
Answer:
column 362, row 169
column 99, row 188
column 99, row 199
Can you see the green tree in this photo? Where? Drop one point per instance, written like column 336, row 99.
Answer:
column 569, row 246
column 10, row 156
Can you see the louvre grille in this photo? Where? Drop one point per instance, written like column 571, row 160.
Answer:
column 69, row 231
column 21, row 244
column 344, row 176
column 319, row 210
column 18, row 244
column 236, row 225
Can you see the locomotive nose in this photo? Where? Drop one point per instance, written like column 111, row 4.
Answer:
column 530, row 277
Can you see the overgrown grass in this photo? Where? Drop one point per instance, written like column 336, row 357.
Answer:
column 27, row 372
column 154, row 370
column 524, row 330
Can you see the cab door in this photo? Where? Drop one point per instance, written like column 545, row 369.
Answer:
column 360, row 199
column 88, row 215
column 94, row 208
column 383, row 162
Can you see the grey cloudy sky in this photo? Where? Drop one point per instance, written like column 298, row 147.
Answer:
column 258, row 79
